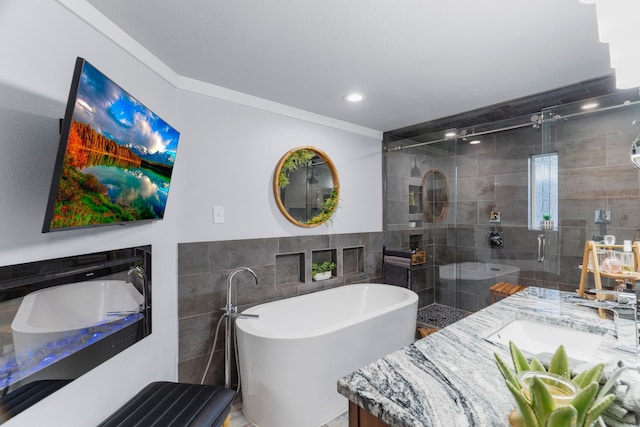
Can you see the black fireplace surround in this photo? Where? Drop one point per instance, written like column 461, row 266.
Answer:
column 26, row 378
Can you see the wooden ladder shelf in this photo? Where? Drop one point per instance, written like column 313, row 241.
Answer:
column 590, row 264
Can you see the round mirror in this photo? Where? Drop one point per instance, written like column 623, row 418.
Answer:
column 435, row 196
column 634, row 155
column 306, row 187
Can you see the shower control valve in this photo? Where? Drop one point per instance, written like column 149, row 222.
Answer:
column 496, row 239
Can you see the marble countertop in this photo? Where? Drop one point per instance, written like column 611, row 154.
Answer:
column 450, row 377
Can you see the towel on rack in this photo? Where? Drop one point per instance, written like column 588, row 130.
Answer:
column 396, row 260
column 395, row 274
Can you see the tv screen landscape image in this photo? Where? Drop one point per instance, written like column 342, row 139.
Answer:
column 115, row 158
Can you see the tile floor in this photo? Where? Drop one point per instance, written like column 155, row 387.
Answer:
column 440, row 316
column 238, row 419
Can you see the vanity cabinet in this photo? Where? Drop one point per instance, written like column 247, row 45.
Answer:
column 359, row 417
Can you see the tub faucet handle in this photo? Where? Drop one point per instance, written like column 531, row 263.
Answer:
column 246, row 316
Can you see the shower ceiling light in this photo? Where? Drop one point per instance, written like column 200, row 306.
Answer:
column 589, row 106
column 353, row 97
column 450, row 133
column 475, row 142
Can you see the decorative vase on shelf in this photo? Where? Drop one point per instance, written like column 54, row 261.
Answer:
column 322, row 276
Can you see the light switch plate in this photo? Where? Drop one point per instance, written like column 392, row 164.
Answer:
column 218, row 215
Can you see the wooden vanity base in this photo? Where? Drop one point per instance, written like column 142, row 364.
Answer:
column 359, row 417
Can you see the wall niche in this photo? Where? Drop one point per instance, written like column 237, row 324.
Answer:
column 353, row 260
column 290, row 268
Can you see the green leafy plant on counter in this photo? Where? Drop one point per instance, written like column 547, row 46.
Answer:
column 546, row 217
column 539, row 409
column 321, row 267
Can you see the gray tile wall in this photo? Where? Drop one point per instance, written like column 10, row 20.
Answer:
column 203, row 269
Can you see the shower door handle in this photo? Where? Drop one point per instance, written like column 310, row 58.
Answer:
column 541, row 244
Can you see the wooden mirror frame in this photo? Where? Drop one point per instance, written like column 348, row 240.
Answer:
column 435, row 208
column 329, row 206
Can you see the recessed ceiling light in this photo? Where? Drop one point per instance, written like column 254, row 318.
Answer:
column 475, row 141
column 589, row 106
column 450, row 134
column 354, row 97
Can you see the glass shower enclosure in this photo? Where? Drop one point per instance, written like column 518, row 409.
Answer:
column 523, row 194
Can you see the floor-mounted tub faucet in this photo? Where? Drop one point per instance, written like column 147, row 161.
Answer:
column 231, row 312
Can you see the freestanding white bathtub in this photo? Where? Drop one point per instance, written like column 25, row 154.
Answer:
column 292, row 355
column 471, row 280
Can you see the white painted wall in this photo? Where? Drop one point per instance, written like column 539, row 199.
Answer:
column 227, row 154
column 227, row 158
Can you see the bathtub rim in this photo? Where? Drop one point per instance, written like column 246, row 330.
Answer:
column 246, row 325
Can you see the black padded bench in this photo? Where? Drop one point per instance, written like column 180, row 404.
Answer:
column 23, row 397
column 169, row 404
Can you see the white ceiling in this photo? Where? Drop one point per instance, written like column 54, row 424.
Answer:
column 414, row 60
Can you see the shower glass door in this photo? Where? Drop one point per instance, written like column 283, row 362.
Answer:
column 593, row 189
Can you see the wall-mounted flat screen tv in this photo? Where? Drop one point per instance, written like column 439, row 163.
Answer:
column 115, row 158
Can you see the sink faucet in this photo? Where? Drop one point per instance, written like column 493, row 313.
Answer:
column 625, row 316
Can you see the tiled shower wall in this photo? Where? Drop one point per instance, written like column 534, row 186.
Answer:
column 283, row 266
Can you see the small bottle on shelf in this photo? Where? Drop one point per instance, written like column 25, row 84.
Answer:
column 627, row 258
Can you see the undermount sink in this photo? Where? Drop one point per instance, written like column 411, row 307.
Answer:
column 536, row 337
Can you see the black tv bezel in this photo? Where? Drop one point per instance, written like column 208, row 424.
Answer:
column 62, row 149
column 62, row 145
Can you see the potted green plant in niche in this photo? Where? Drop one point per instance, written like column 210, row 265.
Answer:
column 552, row 397
column 322, row 270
